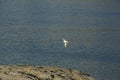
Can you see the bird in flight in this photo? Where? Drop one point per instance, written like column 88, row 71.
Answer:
column 65, row 42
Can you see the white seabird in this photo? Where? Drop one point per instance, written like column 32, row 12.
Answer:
column 65, row 42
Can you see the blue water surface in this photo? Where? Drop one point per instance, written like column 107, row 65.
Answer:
column 31, row 32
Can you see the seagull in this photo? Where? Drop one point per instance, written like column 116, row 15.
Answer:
column 65, row 42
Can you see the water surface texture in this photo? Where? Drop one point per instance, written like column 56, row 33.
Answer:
column 31, row 32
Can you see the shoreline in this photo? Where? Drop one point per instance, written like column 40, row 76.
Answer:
column 27, row 72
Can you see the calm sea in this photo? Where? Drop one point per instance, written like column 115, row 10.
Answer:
column 31, row 32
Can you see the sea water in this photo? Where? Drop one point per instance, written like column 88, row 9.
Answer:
column 31, row 33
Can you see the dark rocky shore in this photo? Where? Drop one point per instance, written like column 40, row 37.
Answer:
column 23, row 72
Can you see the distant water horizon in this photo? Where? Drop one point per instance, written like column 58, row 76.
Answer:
column 31, row 33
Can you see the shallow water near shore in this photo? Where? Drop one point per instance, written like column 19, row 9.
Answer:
column 31, row 32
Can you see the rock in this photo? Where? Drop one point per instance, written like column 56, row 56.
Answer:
column 23, row 72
